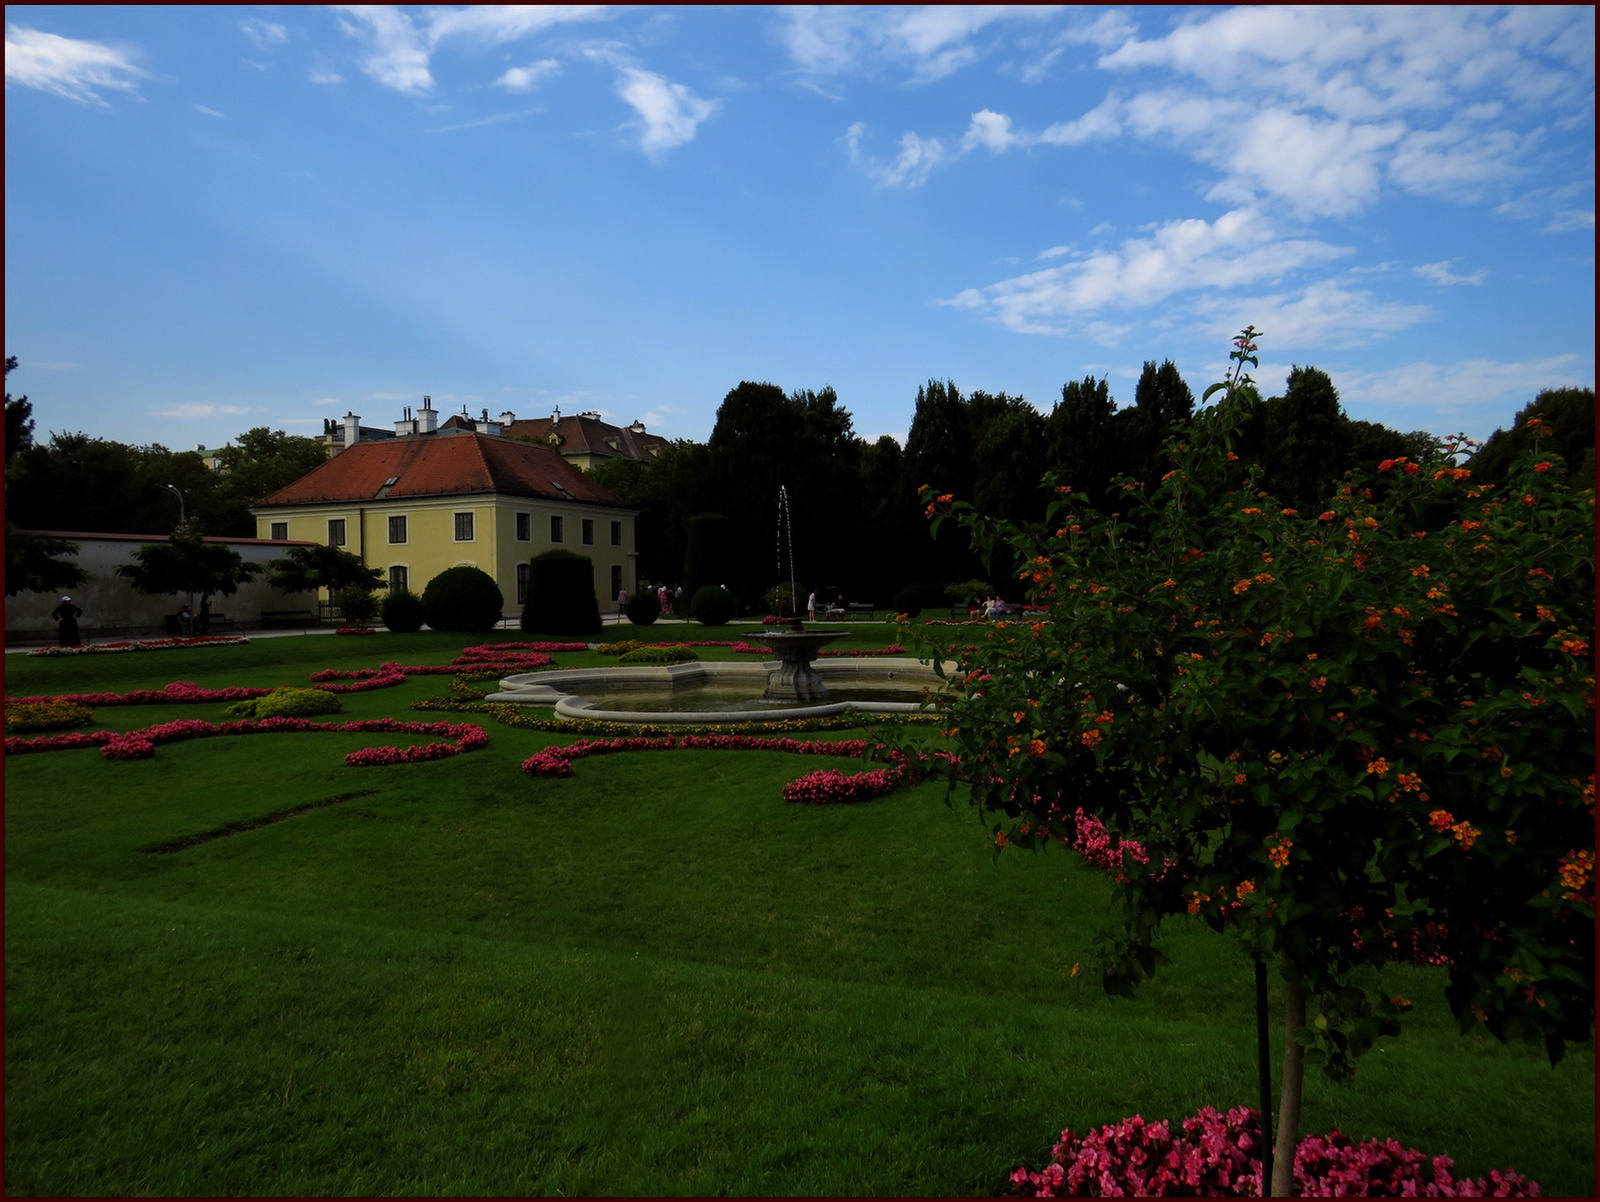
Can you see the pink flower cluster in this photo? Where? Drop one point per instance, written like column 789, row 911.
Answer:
column 179, row 691
column 556, row 761
column 496, row 650
column 1215, row 1155
column 205, row 640
column 16, row 745
column 1104, row 850
column 829, row 786
column 355, row 630
column 141, row 744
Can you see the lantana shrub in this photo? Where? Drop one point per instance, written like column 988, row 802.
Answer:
column 1350, row 736
column 1219, row 1156
column 28, row 717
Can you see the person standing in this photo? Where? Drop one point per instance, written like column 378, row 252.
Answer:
column 66, row 615
column 811, row 606
column 622, row 602
column 185, row 621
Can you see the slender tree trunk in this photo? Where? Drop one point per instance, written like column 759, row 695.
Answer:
column 1294, row 1065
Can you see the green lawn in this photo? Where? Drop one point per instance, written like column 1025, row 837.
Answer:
column 652, row 977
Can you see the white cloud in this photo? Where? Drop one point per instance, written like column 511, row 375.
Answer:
column 325, row 76
column 401, row 51
column 264, row 34
column 1192, row 256
column 933, row 41
column 1322, row 314
column 193, row 410
column 67, row 67
column 989, row 129
column 210, row 112
column 918, row 156
column 327, row 400
column 523, row 79
column 1440, row 273
column 668, row 112
column 1465, row 383
column 1568, row 220
column 399, row 54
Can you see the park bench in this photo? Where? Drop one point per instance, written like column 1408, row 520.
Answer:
column 850, row 608
column 287, row 617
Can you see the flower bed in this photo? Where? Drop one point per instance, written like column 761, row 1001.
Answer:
column 1218, row 1156
column 202, row 640
column 829, row 786
column 31, row 717
column 512, row 715
column 177, row 693
column 355, row 630
column 22, row 746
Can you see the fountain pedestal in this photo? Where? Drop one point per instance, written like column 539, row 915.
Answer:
column 795, row 679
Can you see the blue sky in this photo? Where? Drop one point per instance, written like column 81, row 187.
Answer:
column 232, row 217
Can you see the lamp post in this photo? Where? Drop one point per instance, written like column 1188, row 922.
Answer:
column 183, row 521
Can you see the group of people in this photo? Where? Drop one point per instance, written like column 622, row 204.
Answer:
column 994, row 607
column 664, row 596
column 66, row 615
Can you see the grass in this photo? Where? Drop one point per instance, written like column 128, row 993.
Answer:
column 653, row 977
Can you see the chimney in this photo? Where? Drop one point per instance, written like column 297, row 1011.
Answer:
column 555, row 418
column 429, row 416
column 407, row 424
column 507, row 418
column 352, row 430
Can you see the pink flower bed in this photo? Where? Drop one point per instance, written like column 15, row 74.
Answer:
column 1218, row 1156
column 828, row 786
column 141, row 744
column 744, row 648
column 16, row 745
column 355, row 630
column 178, row 692
column 202, row 640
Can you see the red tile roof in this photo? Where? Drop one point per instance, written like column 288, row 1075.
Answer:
column 440, row 465
column 588, row 435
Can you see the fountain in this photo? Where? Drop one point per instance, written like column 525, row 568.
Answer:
column 796, row 679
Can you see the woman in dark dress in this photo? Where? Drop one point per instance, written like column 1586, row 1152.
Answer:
column 67, row 614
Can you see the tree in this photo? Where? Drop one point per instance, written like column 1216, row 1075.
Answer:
column 1307, row 440
column 33, row 563
column 1565, row 425
column 1079, row 438
column 251, row 468
column 19, row 418
column 307, row 569
column 668, row 491
column 1348, row 742
column 186, row 563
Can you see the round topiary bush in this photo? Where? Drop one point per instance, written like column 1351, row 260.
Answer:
column 402, row 612
column 713, row 606
column 297, row 703
column 561, row 596
column 659, row 655
column 643, row 608
column 912, row 599
column 462, row 599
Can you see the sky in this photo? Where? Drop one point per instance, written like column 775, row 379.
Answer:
column 223, row 218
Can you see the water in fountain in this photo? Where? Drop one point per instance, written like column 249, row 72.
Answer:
column 785, row 536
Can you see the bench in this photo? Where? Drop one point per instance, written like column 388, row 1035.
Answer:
column 287, row 617
column 850, row 609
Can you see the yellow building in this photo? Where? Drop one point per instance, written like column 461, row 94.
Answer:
column 414, row 505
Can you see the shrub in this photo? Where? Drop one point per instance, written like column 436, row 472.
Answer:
column 561, row 596
column 658, row 655
column 358, row 606
column 402, row 612
column 28, row 717
column 785, row 600
column 643, row 608
column 913, row 598
column 462, row 599
column 295, row 703
column 712, row 606
column 620, row 647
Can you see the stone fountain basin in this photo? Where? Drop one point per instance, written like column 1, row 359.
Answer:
column 564, row 689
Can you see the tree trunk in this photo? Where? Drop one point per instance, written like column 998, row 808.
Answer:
column 1294, row 1065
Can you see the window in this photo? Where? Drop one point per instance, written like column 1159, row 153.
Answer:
column 616, row 534
column 524, row 527
column 522, row 582
column 399, row 578
column 558, row 529
column 463, row 527
column 588, row 532
column 280, row 529
column 397, row 529
column 336, row 532
column 616, row 580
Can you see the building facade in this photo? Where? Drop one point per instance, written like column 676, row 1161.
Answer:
column 412, row 505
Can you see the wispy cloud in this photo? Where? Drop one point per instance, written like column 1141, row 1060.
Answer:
column 492, row 119
column 669, row 113
column 210, row 112
column 917, row 157
column 524, row 79
column 401, row 49
column 68, row 67
column 198, row 410
column 264, row 35
column 1440, row 273
column 1449, row 387
column 932, row 41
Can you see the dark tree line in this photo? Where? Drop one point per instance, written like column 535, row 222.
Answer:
column 856, row 522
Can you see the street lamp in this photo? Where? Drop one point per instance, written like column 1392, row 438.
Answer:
column 183, row 522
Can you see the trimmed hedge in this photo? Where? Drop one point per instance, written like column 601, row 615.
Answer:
column 713, row 606
column 401, row 612
column 912, row 599
column 561, row 596
column 286, row 703
column 463, row 599
column 643, row 607
column 658, row 655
